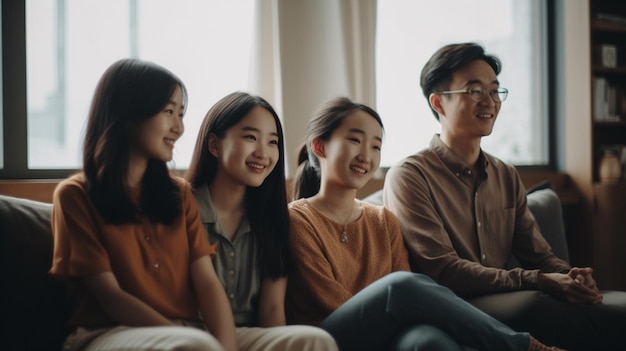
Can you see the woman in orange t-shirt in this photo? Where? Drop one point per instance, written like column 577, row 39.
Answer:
column 128, row 239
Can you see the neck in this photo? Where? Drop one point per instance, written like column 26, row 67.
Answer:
column 467, row 149
column 227, row 196
column 337, row 204
column 336, row 198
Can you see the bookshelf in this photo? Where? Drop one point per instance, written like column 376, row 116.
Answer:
column 608, row 69
column 608, row 134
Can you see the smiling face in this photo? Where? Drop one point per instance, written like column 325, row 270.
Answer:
column 460, row 116
column 248, row 151
column 352, row 154
column 155, row 137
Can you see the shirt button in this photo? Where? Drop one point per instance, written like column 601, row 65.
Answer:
column 231, row 295
column 483, row 257
column 479, row 224
column 232, row 253
column 458, row 174
column 231, row 272
column 147, row 238
column 156, row 265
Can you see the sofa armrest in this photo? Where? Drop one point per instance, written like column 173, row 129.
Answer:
column 33, row 311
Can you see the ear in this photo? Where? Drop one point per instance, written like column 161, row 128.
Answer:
column 213, row 145
column 318, row 147
column 435, row 103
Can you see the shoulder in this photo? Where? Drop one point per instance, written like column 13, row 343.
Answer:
column 412, row 164
column 298, row 205
column 184, row 187
column 299, row 209
column 182, row 184
column 376, row 214
column 70, row 188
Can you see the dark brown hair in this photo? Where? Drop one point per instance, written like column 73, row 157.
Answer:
column 129, row 92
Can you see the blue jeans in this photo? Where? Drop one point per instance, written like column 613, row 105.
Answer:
column 409, row 311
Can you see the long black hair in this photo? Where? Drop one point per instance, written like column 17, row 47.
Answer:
column 265, row 205
column 328, row 118
column 129, row 92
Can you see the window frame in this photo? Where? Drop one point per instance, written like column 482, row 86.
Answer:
column 15, row 129
column 15, row 119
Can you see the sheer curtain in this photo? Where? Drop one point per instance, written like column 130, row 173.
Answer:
column 308, row 52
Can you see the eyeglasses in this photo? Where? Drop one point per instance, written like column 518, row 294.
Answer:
column 479, row 94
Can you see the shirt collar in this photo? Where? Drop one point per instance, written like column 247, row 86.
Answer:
column 207, row 210
column 452, row 161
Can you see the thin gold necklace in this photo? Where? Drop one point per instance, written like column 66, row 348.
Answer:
column 343, row 237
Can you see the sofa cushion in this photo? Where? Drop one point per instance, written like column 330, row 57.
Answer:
column 32, row 303
column 545, row 205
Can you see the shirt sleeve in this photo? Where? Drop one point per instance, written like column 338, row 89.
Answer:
column 406, row 194
column 78, row 250
column 199, row 245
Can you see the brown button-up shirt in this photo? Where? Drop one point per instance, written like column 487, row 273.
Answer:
column 462, row 226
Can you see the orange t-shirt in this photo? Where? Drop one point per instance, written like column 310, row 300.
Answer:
column 150, row 260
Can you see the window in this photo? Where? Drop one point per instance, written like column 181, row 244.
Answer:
column 514, row 30
column 58, row 49
column 70, row 43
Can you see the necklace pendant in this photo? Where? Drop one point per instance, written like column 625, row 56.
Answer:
column 344, row 237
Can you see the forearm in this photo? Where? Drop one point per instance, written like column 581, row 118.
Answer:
column 218, row 317
column 470, row 278
column 271, row 316
column 272, row 303
column 126, row 309
column 122, row 307
column 214, row 305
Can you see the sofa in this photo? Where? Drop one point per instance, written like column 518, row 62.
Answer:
column 33, row 312
column 33, row 306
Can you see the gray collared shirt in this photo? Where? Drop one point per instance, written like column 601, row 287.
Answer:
column 236, row 262
column 461, row 226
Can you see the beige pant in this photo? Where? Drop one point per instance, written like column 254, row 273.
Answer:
column 286, row 338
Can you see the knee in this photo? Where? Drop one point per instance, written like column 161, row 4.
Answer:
column 192, row 339
column 409, row 281
column 312, row 338
column 425, row 338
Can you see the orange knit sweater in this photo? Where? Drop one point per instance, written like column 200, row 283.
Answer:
column 328, row 272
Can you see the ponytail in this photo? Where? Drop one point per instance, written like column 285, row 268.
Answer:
column 307, row 178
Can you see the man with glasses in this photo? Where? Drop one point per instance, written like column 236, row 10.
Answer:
column 464, row 213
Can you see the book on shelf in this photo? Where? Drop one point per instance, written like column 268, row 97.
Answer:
column 609, row 101
column 611, row 18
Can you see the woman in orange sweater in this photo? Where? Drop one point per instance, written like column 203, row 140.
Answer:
column 351, row 273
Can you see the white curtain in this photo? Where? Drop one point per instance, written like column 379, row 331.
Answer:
column 309, row 51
